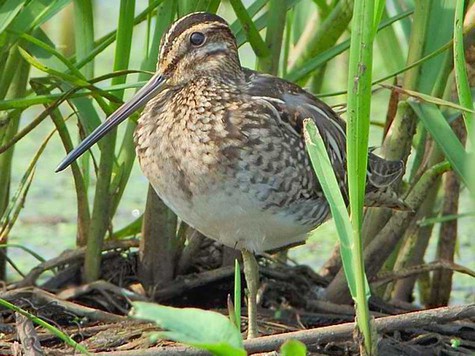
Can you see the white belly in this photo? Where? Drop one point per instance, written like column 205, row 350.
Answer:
column 237, row 222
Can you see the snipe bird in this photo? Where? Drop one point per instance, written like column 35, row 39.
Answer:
column 223, row 146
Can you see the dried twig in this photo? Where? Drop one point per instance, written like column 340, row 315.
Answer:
column 334, row 333
column 343, row 332
column 413, row 270
column 27, row 334
column 39, row 297
column 184, row 283
column 68, row 257
column 382, row 245
column 75, row 292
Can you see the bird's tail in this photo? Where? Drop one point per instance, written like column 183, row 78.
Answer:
column 382, row 174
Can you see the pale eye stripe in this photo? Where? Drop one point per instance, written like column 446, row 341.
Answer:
column 199, row 27
column 172, row 28
column 217, row 46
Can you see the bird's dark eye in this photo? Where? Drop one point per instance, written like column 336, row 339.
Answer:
column 197, row 38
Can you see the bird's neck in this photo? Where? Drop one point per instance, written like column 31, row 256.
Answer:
column 223, row 69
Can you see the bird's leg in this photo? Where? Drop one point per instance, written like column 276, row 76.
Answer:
column 251, row 272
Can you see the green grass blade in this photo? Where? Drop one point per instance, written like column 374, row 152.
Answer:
column 378, row 14
column 237, row 294
column 12, row 212
column 8, row 11
column 357, row 131
column 359, row 101
column 40, row 46
column 444, row 218
column 430, row 99
column 439, row 31
column 325, row 35
column 38, row 65
column 103, row 42
column 53, row 330
column 260, row 23
column 33, row 15
column 24, row 248
column 125, row 29
column 84, row 32
column 252, row 33
column 23, row 103
column 435, row 122
column 164, row 17
column 274, row 36
column 252, row 10
column 389, row 46
column 327, row 179
column 402, row 70
column 132, row 229
column 461, row 79
column 306, row 68
column 102, row 206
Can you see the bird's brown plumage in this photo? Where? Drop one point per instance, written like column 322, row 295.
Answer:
column 223, row 146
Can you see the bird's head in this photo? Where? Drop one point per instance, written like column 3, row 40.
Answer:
column 199, row 44
column 195, row 45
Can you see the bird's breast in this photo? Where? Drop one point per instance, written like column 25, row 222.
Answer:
column 224, row 167
column 179, row 141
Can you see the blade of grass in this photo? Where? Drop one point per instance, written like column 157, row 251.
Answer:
column 23, row 103
column 406, row 69
column 84, row 45
column 390, row 47
column 8, row 11
column 301, row 71
column 9, row 71
column 9, row 130
column 17, row 203
column 444, row 218
column 274, row 34
column 83, row 213
column 326, row 35
column 327, row 179
column 252, row 33
column 84, row 31
column 24, row 248
column 102, row 205
column 11, row 213
column 32, row 16
column 357, row 131
column 66, row 77
column 378, row 14
column 104, row 42
column 237, row 294
column 461, row 79
column 165, row 14
column 287, row 41
column 203, row 329
column 430, row 99
column 439, row 30
column 132, row 229
column 440, row 130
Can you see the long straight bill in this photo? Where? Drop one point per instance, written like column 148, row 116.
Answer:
column 147, row 92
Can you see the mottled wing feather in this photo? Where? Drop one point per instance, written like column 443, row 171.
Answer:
column 294, row 104
column 383, row 173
